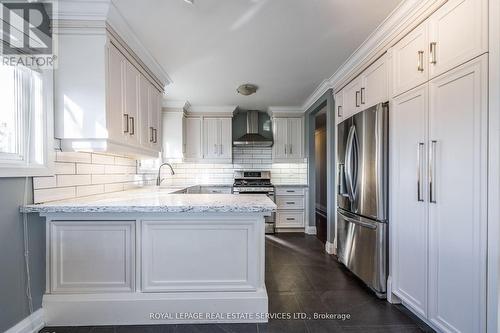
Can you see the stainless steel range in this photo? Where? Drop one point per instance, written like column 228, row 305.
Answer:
column 256, row 182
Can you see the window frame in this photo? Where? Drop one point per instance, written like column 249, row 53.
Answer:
column 11, row 167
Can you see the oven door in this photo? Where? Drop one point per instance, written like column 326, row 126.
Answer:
column 270, row 220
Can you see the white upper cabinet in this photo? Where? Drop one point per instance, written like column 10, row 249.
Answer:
column 217, row 139
column 458, row 32
column 375, row 83
column 352, row 98
column 288, row 139
column 105, row 98
column 339, row 102
column 192, row 138
column 410, row 65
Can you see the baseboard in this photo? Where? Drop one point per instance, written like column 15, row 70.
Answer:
column 155, row 308
column 330, row 248
column 289, row 230
column 310, row 230
column 391, row 298
column 31, row 324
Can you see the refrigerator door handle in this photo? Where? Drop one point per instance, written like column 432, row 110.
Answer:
column 360, row 223
column 348, row 163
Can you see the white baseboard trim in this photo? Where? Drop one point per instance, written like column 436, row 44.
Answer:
column 330, row 248
column 154, row 308
column 391, row 298
column 31, row 324
column 310, row 230
column 288, row 230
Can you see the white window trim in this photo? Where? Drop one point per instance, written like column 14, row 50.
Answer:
column 12, row 168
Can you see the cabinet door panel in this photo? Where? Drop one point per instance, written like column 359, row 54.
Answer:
column 409, row 203
column 280, row 149
column 352, row 98
column 116, row 123
column 375, row 84
column 145, row 132
column 339, row 108
column 410, row 60
column 211, row 133
column 226, row 138
column 459, row 30
column 132, row 102
column 192, row 141
column 154, row 117
column 295, row 138
column 457, row 212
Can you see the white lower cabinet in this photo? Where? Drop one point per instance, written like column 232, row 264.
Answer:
column 439, row 192
column 291, row 207
column 92, row 256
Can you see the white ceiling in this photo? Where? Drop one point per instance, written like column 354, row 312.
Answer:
column 286, row 47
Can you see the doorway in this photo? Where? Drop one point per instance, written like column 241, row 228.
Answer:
column 321, row 197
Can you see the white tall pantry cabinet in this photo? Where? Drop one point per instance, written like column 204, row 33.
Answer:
column 438, row 141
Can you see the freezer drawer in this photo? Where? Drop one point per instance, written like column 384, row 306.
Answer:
column 362, row 248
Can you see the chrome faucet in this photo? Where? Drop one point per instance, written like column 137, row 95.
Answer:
column 159, row 179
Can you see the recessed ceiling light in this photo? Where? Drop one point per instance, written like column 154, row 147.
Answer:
column 247, row 89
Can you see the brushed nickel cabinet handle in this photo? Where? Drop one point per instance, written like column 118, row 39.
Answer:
column 290, row 202
column 432, row 166
column 132, row 125
column 357, row 97
column 290, row 219
column 155, row 136
column 432, row 50
column 420, row 61
column 290, row 149
column 125, row 118
column 151, row 134
column 362, row 92
column 339, row 111
column 420, row 147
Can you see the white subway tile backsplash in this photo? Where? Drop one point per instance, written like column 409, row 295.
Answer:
column 64, row 168
column 124, row 161
column 73, row 157
column 44, row 182
column 102, row 159
column 113, row 187
column 89, row 190
column 72, row 180
column 52, row 194
column 89, row 169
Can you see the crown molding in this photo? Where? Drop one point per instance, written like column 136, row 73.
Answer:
column 285, row 111
column 92, row 16
column 406, row 16
column 172, row 104
column 222, row 110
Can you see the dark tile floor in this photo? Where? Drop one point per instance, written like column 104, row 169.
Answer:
column 300, row 278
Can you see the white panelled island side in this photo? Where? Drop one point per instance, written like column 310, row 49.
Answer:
column 151, row 256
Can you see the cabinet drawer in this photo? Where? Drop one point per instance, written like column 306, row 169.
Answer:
column 290, row 219
column 290, row 202
column 290, row 191
column 216, row 190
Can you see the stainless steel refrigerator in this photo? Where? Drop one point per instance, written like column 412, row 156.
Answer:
column 362, row 198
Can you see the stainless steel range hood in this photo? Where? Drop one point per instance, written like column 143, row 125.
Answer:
column 252, row 138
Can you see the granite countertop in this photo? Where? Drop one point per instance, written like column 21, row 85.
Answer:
column 291, row 185
column 157, row 200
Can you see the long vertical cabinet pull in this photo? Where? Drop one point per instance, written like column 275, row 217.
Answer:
column 362, row 98
column 339, row 111
column 420, row 149
column 125, row 117
column 432, row 52
column 432, row 170
column 420, row 61
column 357, row 98
column 132, row 125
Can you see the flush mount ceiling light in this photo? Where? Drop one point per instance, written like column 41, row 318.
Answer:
column 189, row 1
column 247, row 89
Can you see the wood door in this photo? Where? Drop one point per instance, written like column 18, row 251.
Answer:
column 352, row 98
column 192, row 141
column 409, row 220
column 458, row 32
column 132, row 102
column 458, row 198
column 410, row 64
column 280, row 149
column 375, row 84
column 226, row 138
column 295, row 140
column 211, row 134
column 339, row 102
column 117, row 122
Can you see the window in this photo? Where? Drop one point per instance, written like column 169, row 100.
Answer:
column 25, row 121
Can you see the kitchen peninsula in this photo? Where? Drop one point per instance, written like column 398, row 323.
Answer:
column 154, row 256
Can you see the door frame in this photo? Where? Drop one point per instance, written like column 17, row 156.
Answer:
column 325, row 100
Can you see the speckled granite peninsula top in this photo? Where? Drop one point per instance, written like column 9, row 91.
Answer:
column 157, row 200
